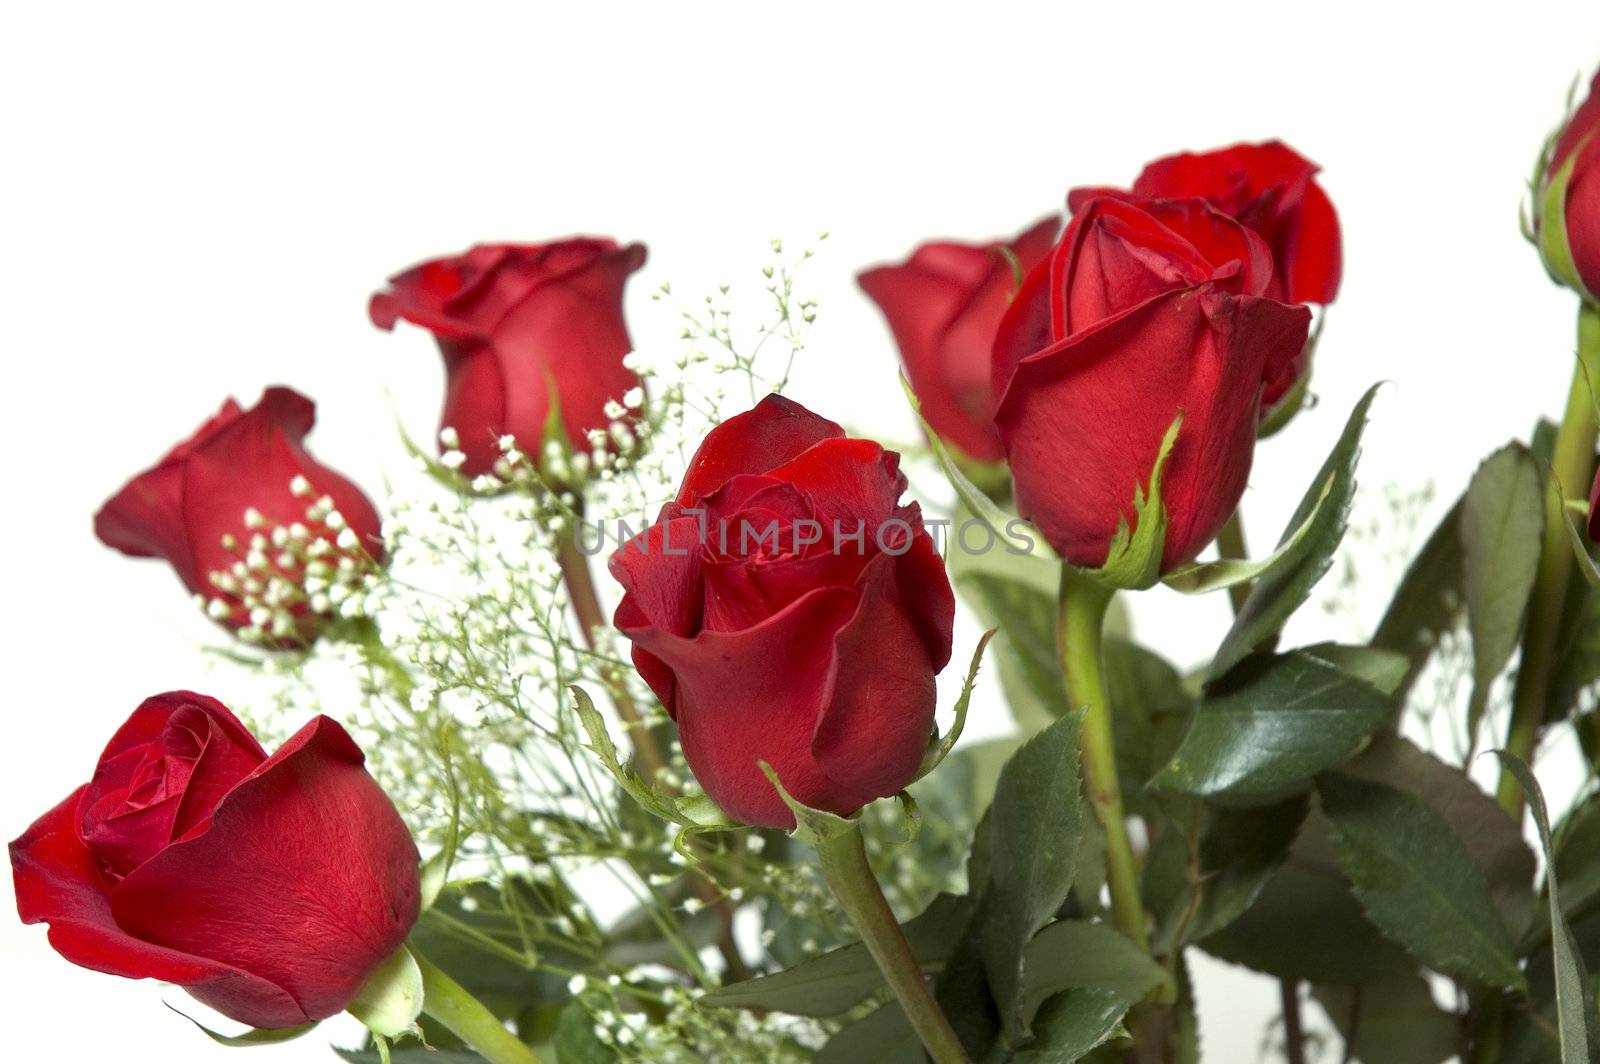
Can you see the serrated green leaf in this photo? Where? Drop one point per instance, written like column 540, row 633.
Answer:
column 1198, row 578
column 1490, row 837
column 1277, row 595
column 1240, row 852
column 1276, row 723
column 1416, row 882
column 1429, row 601
column 1305, row 925
column 1035, row 825
column 1502, row 530
column 1080, row 955
column 1576, row 864
column 1383, row 669
column 1575, row 1005
column 842, row 978
column 1072, row 1024
column 1393, row 1020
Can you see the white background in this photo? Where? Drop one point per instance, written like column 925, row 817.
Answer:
column 200, row 199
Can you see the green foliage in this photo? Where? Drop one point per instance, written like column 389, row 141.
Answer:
column 1392, row 1020
column 1274, row 724
column 1073, row 1023
column 1198, row 578
column 1203, row 876
column 1277, row 595
column 1579, row 1027
column 1071, row 955
column 1150, row 714
column 1490, row 837
column 1417, row 883
column 842, row 978
column 1035, row 828
column 1502, row 528
column 1306, row 925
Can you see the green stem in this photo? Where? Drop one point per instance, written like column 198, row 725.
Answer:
column 1231, row 544
column 647, row 753
column 1572, row 465
column 464, row 1016
column 844, row 863
column 1080, row 620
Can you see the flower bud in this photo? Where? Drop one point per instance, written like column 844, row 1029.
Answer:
column 1566, row 204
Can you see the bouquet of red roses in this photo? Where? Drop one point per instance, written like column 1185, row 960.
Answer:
column 711, row 808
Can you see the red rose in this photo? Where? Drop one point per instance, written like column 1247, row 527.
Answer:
column 268, row 887
column 526, row 329
column 1568, row 207
column 943, row 305
column 1144, row 309
column 1272, row 189
column 803, row 628
column 245, row 515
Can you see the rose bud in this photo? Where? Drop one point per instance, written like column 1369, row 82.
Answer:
column 803, row 628
column 1272, row 189
column 1143, row 310
column 532, row 336
column 943, row 305
column 1567, row 206
column 268, row 887
column 252, row 523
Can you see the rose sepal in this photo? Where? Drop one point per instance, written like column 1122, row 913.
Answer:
column 1574, row 511
column 939, row 747
column 694, row 814
column 1133, row 561
column 1550, row 233
column 391, row 999
column 256, row 1036
column 816, row 827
